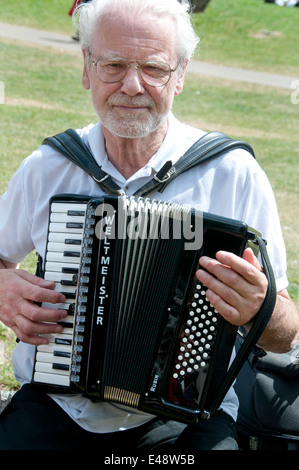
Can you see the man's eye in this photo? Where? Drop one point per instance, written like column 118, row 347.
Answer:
column 152, row 69
column 113, row 67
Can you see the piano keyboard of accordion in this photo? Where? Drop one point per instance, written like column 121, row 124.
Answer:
column 140, row 331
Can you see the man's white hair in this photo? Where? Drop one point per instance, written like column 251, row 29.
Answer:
column 88, row 14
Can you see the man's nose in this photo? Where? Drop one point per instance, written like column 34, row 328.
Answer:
column 132, row 83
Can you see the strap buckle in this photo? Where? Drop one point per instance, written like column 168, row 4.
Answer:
column 165, row 177
column 100, row 180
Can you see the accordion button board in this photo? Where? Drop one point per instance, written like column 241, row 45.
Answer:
column 197, row 336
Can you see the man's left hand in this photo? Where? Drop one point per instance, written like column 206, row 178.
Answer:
column 236, row 286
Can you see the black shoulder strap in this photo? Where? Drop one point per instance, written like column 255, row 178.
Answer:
column 260, row 322
column 213, row 144
column 70, row 144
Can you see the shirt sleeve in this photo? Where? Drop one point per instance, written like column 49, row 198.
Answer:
column 259, row 209
column 236, row 186
column 15, row 226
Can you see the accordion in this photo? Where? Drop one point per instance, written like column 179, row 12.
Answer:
column 140, row 331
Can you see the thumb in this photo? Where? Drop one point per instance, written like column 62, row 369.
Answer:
column 250, row 257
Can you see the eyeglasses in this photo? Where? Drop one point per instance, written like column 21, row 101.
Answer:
column 152, row 73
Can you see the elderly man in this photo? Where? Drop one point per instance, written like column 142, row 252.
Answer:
column 135, row 56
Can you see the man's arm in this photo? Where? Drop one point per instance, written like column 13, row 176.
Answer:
column 237, row 288
column 20, row 292
column 282, row 331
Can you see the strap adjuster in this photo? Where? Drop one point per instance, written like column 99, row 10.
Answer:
column 165, row 177
column 165, row 172
column 100, row 180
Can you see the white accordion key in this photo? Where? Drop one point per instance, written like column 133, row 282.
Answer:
column 52, row 379
column 52, row 358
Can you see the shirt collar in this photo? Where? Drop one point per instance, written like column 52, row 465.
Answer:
column 167, row 151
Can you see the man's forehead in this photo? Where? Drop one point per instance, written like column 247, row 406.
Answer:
column 125, row 36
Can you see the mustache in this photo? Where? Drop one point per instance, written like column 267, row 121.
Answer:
column 142, row 101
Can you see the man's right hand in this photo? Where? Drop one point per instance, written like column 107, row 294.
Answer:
column 20, row 292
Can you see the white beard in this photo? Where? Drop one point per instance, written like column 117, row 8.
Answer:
column 131, row 128
column 130, row 125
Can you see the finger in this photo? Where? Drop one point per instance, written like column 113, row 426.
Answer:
column 237, row 264
column 39, row 314
column 240, row 265
column 227, row 311
column 218, row 276
column 38, row 281
column 236, row 288
column 35, row 340
column 31, row 328
column 249, row 269
column 43, row 322
column 39, row 294
column 222, row 291
column 236, row 276
column 229, row 303
column 21, row 284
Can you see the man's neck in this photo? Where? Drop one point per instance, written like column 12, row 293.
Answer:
column 129, row 155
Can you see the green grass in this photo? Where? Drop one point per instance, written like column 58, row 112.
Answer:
column 266, row 119
column 7, row 339
column 42, row 14
column 250, row 34
column 244, row 33
column 37, row 104
column 44, row 95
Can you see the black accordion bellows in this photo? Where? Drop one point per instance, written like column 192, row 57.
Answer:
column 144, row 334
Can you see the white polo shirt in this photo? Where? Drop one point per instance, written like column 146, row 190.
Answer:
column 233, row 186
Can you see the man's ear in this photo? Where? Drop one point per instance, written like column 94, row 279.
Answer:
column 180, row 83
column 86, row 69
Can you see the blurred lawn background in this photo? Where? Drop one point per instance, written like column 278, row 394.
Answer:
column 44, row 95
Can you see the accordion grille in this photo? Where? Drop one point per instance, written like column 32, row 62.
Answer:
column 121, row 396
column 133, row 333
column 137, row 300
